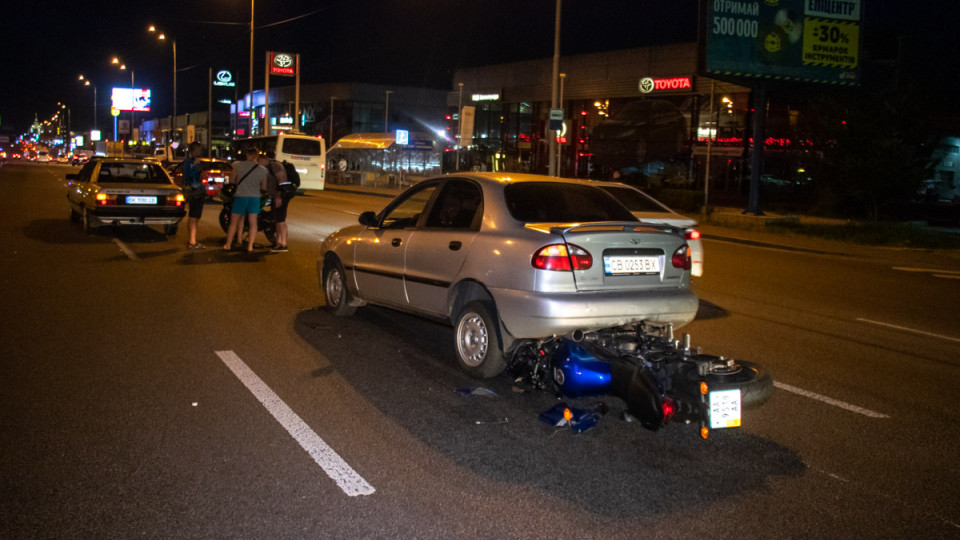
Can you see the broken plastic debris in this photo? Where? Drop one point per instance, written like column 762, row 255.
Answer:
column 503, row 420
column 477, row 391
column 562, row 415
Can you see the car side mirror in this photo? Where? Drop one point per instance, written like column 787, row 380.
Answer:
column 368, row 219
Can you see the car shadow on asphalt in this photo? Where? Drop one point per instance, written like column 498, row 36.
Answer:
column 405, row 367
column 709, row 310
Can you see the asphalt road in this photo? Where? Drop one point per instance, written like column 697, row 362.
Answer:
column 148, row 390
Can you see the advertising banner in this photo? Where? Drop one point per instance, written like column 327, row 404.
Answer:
column 467, row 114
column 801, row 40
column 131, row 99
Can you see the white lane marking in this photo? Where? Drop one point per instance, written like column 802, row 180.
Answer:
column 947, row 276
column 926, row 270
column 829, row 401
column 905, row 329
column 126, row 250
column 336, row 468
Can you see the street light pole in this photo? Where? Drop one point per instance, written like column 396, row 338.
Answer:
column 551, row 138
column 459, row 134
column 173, row 42
column 332, row 98
column 386, row 114
column 250, row 108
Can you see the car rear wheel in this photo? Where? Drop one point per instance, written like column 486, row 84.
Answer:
column 336, row 291
column 479, row 351
column 170, row 229
column 74, row 216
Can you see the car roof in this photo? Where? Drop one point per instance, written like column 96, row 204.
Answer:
column 506, row 178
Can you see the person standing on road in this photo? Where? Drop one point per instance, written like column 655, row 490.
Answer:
column 250, row 178
column 193, row 188
column 286, row 191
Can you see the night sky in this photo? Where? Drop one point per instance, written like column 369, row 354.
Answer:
column 46, row 45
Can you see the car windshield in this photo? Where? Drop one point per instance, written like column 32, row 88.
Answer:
column 556, row 202
column 135, row 173
column 634, row 200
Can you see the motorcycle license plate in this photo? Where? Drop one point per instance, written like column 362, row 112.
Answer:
column 613, row 266
column 141, row 200
column 725, row 408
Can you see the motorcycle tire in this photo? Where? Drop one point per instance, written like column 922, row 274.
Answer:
column 270, row 231
column 755, row 384
column 225, row 219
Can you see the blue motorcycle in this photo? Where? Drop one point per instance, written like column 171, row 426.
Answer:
column 661, row 379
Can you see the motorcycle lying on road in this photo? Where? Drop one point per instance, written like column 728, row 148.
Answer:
column 265, row 219
column 661, row 379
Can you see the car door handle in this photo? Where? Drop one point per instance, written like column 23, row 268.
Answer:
column 396, row 242
column 455, row 245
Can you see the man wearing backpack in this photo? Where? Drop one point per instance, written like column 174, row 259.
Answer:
column 288, row 181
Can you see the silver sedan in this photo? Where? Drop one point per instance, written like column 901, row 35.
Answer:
column 506, row 258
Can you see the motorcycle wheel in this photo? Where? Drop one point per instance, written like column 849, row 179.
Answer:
column 479, row 352
column 755, row 384
column 225, row 219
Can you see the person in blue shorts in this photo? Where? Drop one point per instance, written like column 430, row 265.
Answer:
column 250, row 179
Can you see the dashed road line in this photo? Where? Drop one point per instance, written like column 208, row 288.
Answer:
column 829, row 401
column 336, row 468
column 126, row 250
column 911, row 330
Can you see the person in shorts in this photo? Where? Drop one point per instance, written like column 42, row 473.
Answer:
column 285, row 192
column 193, row 188
column 250, row 179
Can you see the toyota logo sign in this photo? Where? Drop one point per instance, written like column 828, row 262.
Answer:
column 283, row 64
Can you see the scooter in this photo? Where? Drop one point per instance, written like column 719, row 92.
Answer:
column 265, row 219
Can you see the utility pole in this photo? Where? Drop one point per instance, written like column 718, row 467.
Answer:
column 551, row 137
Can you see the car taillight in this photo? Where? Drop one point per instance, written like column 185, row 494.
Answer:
column 692, row 234
column 106, row 200
column 176, row 200
column 681, row 258
column 562, row 257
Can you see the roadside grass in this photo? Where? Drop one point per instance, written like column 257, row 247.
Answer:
column 874, row 234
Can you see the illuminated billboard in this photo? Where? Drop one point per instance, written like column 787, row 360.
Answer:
column 131, row 99
column 800, row 40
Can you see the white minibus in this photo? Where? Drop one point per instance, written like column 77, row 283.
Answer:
column 307, row 154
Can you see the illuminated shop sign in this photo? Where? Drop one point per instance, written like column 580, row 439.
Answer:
column 649, row 84
column 486, row 97
column 283, row 64
column 402, row 137
column 224, row 78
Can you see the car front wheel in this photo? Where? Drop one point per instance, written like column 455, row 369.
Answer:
column 335, row 289
column 479, row 351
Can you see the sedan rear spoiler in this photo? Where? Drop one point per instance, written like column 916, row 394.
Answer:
column 617, row 226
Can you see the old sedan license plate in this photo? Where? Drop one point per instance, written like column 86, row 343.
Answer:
column 614, row 265
column 141, row 200
column 725, row 409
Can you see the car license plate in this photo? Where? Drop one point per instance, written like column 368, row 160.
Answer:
column 141, row 200
column 725, row 409
column 216, row 179
column 615, row 265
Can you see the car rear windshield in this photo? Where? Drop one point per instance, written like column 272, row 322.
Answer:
column 135, row 173
column 555, row 202
column 634, row 200
column 214, row 165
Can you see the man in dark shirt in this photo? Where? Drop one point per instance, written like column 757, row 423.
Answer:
column 193, row 187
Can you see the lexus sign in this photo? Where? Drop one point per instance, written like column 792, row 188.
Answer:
column 283, row 64
column 224, row 78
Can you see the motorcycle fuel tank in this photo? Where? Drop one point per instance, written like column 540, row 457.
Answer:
column 578, row 372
